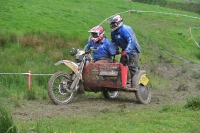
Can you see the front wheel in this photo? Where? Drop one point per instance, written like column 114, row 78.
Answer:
column 110, row 94
column 58, row 88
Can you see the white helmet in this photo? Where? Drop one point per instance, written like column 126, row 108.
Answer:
column 116, row 22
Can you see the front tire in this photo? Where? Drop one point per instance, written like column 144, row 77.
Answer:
column 110, row 94
column 58, row 88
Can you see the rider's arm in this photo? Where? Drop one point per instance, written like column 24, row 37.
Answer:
column 113, row 42
column 112, row 38
column 129, row 38
column 87, row 47
column 111, row 48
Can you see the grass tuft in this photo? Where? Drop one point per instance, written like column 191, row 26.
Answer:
column 6, row 122
column 170, row 108
column 30, row 95
column 193, row 103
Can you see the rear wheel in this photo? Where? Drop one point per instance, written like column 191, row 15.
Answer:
column 58, row 88
column 110, row 94
column 143, row 90
column 143, row 94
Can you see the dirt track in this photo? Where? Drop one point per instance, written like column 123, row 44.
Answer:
column 184, row 83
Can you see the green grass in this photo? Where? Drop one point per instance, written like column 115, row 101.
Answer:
column 182, row 1
column 193, row 103
column 6, row 122
column 170, row 118
column 36, row 34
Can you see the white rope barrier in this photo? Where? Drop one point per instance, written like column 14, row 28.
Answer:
column 136, row 11
column 41, row 74
column 14, row 73
column 29, row 76
column 23, row 74
column 192, row 36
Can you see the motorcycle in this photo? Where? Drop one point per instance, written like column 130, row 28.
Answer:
column 85, row 75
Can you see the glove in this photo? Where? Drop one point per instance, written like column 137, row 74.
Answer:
column 123, row 54
column 117, row 52
column 73, row 52
column 87, row 51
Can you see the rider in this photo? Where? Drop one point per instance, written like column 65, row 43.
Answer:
column 124, row 37
column 103, row 48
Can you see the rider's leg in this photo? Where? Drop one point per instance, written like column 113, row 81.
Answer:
column 123, row 60
column 133, row 65
column 129, row 78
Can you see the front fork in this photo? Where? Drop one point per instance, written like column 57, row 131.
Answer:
column 74, row 85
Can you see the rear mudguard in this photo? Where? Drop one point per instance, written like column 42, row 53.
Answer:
column 73, row 66
column 140, row 78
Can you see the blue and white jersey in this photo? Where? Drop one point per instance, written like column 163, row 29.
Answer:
column 104, row 50
column 125, row 38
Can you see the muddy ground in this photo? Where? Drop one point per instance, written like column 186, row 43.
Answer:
column 184, row 83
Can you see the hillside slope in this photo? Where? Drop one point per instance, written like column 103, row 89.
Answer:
column 38, row 27
column 36, row 34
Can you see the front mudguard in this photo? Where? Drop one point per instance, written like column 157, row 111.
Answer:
column 72, row 65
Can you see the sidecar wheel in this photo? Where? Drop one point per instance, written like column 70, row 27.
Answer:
column 143, row 90
column 110, row 94
column 143, row 94
column 58, row 88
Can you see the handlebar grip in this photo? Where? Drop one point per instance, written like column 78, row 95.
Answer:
column 87, row 51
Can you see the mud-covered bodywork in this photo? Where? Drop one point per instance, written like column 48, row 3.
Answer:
column 102, row 75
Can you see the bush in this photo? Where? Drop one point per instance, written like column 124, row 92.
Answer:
column 193, row 103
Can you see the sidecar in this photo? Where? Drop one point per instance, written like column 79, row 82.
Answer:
column 111, row 78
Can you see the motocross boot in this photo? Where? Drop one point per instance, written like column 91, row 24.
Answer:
column 129, row 81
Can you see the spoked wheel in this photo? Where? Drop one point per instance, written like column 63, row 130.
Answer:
column 58, row 88
column 110, row 94
column 143, row 90
column 143, row 94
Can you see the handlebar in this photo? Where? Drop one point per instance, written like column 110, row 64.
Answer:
column 92, row 48
column 89, row 50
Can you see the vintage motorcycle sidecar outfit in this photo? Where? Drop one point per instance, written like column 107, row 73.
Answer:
column 108, row 78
